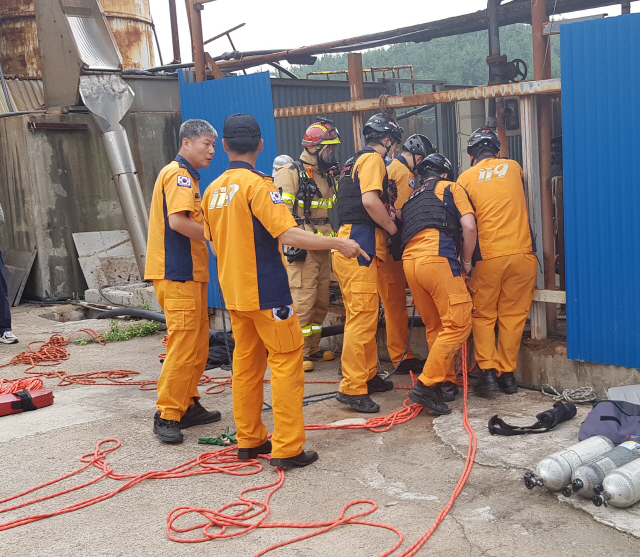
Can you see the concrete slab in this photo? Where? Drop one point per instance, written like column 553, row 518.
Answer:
column 409, row 472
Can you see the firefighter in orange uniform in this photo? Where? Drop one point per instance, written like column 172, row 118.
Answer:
column 308, row 188
column 246, row 221
column 364, row 215
column 392, row 283
column 504, row 266
column 437, row 225
column 177, row 263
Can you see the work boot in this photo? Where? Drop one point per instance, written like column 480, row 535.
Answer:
column 412, row 364
column 307, row 364
column 249, row 454
column 197, row 414
column 430, row 398
column 486, row 382
column 448, row 391
column 378, row 385
column 166, row 430
column 507, row 382
column 321, row 356
column 359, row 403
column 303, row 459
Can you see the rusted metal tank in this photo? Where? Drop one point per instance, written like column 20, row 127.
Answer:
column 130, row 22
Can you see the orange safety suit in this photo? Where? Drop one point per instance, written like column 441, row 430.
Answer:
column 309, row 279
column 244, row 215
column 358, row 280
column 439, row 291
column 504, row 270
column 178, row 267
column 392, row 283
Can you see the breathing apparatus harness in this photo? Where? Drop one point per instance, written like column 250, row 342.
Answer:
column 307, row 190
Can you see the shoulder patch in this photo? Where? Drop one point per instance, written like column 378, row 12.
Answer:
column 276, row 197
column 412, row 183
column 260, row 173
column 184, row 181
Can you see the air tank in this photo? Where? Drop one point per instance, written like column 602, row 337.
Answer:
column 129, row 20
column 620, row 488
column 592, row 473
column 554, row 472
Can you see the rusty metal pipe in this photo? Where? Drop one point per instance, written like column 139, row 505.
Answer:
column 548, row 87
column 197, row 40
column 356, row 86
column 494, row 53
column 542, row 70
column 175, row 35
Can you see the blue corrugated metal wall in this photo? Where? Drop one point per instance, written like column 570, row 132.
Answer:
column 601, row 144
column 213, row 101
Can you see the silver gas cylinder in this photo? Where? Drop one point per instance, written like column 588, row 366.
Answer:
column 592, row 473
column 620, row 488
column 554, row 472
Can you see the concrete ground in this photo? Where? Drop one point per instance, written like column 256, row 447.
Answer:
column 409, row 471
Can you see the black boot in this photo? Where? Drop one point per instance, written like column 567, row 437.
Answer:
column 430, row 398
column 249, row 454
column 486, row 382
column 507, row 383
column 197, row 414
column 303, row 459
column 378, row 385
column 448, row 391
column 166, row 430
column 359, row 403
column 412, row 364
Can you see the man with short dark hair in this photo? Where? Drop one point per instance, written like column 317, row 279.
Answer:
column 246, row 222
column 178, row 265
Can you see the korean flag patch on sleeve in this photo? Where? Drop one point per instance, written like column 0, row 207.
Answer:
column 276, row 197
column 184, row 181
column 412, row 183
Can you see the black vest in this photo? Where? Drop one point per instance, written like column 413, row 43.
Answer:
column 349, row 197
column 423, row 209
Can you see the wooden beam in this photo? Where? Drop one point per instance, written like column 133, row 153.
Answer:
column 356, row 86
column 550, row 296
column 213, row 67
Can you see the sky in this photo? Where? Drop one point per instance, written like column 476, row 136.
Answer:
column 286, row 24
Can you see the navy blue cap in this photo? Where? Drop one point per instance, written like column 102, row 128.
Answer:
column 240, row 125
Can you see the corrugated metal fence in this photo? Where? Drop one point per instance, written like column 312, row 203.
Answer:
column 214, row 101
column 601, row 119
column 298, row 92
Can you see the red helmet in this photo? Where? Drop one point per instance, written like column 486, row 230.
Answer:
column 322, row 132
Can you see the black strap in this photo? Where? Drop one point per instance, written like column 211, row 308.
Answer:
column 25, row 401
column 560, row 412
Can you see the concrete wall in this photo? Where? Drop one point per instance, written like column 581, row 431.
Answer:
column 57, row 182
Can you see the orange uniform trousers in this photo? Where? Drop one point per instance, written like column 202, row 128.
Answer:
column 392, row 287
column 502, row 288
column 359, row 285
column 445, row 307
column 256, row 333
column 309, row 282
column 185, row 309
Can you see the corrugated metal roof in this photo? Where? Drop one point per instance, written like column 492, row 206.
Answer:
column 601, row 119
column 26, row 94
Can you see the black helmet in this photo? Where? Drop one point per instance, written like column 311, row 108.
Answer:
column 483, row 138
column 436, row 163
column 419, row 144
column 381, row 125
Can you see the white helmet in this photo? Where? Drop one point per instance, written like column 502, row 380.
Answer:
column 280, row 161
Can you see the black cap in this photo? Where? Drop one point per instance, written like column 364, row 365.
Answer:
column 240, row 125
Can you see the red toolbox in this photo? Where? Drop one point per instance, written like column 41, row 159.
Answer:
column 25, row 401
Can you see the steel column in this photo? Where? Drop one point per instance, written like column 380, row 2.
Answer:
column 175, row 37
column 542, row 70
column 531, row 169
